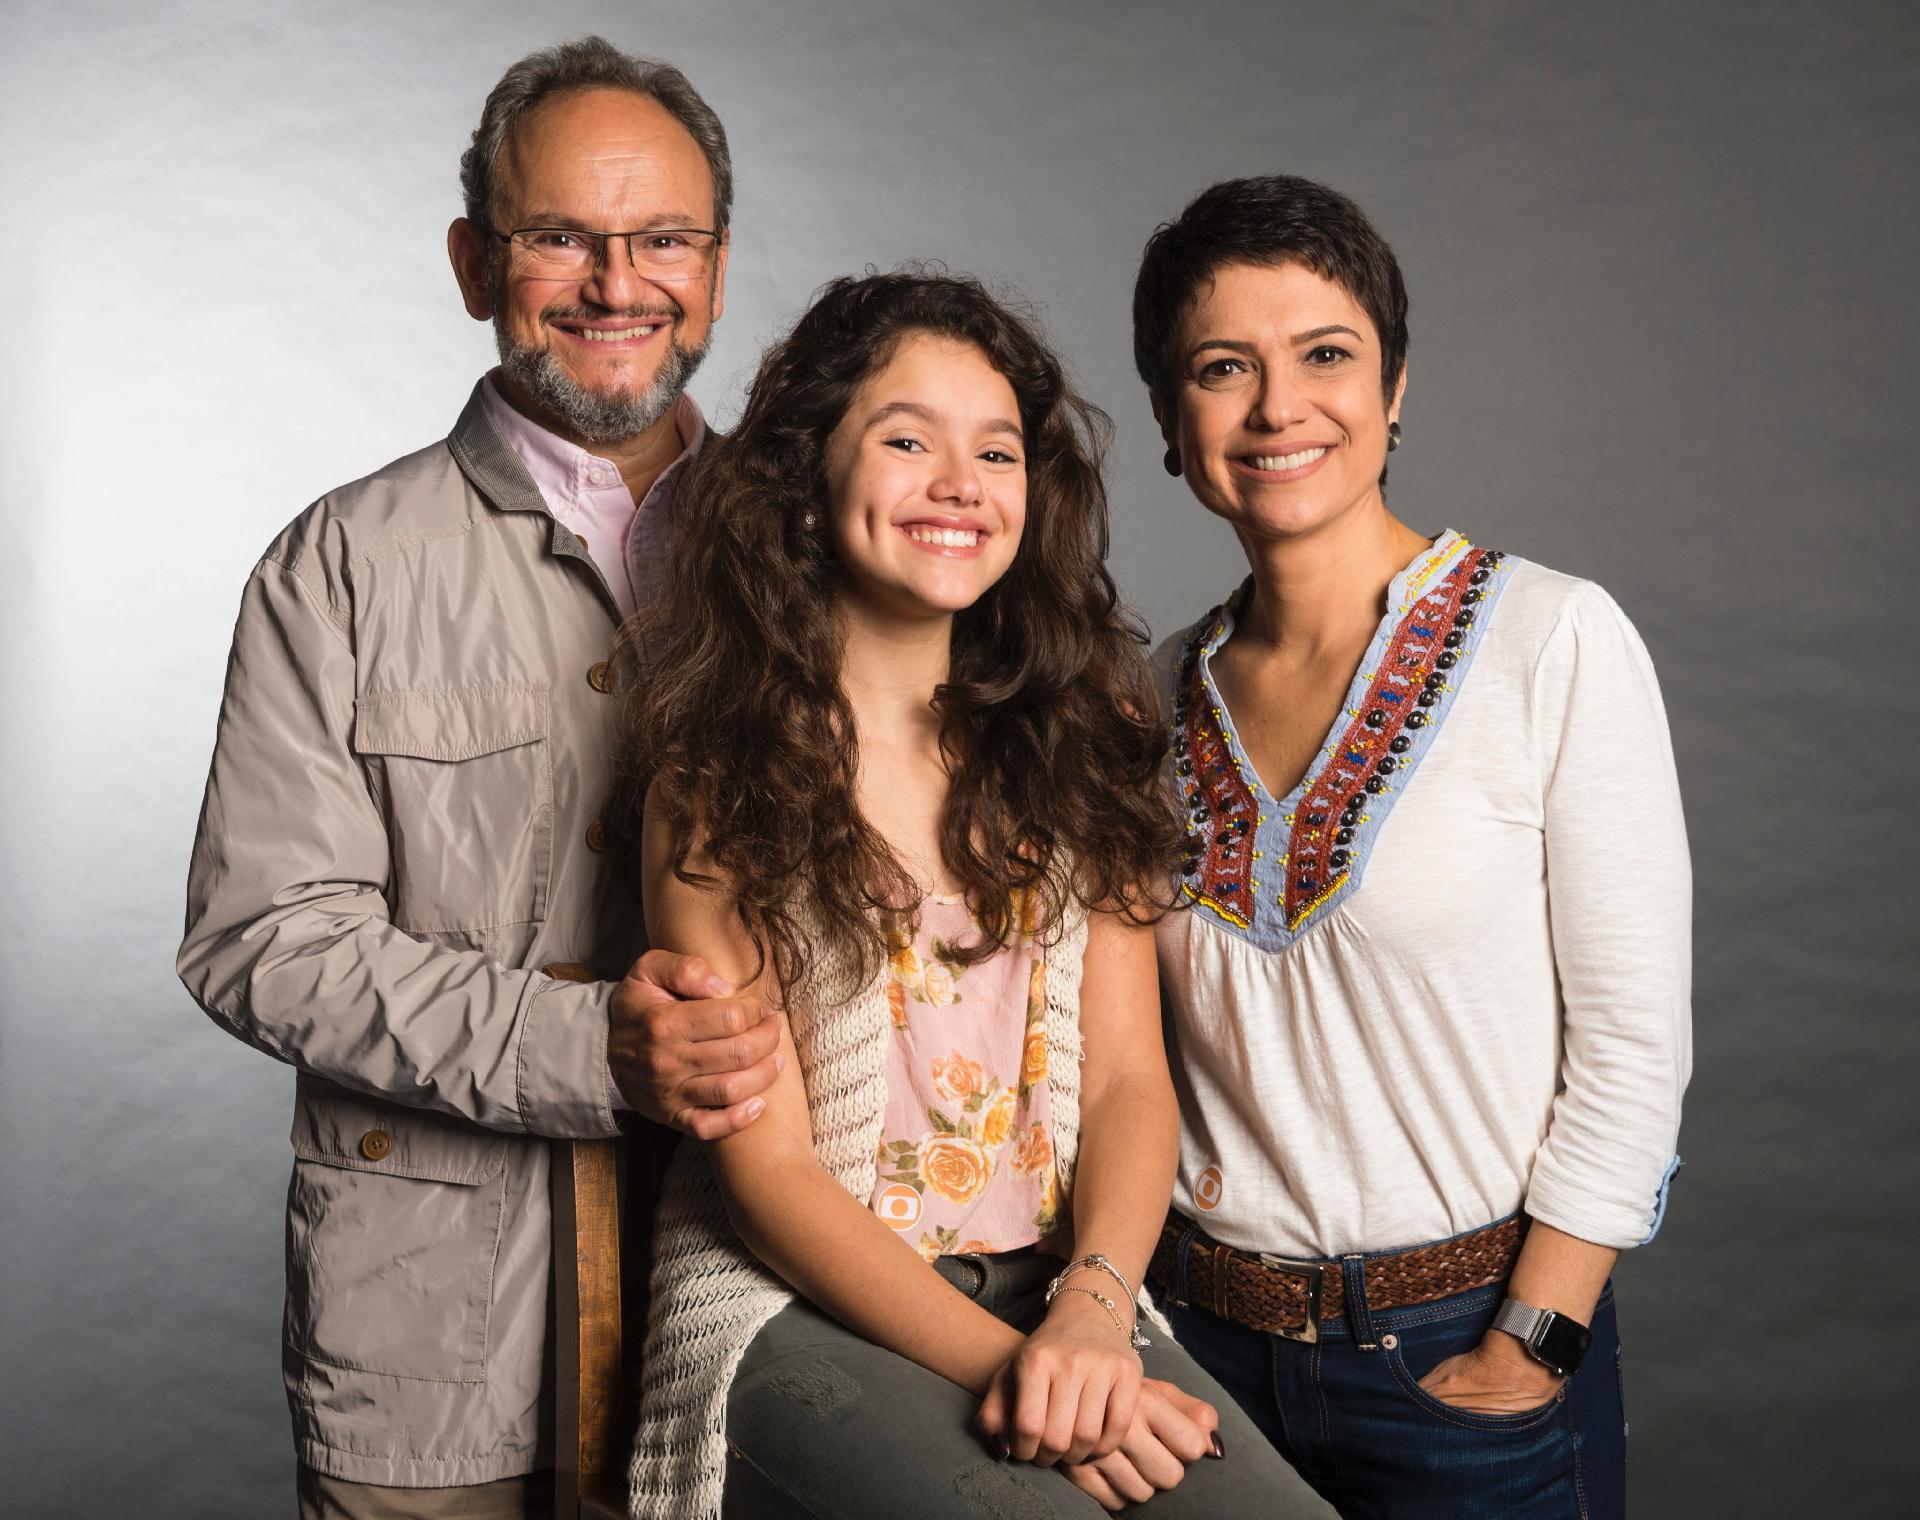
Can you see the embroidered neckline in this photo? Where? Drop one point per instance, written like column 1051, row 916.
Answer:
column 1321, row 834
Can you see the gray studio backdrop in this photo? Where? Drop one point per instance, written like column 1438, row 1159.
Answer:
column 1660, row 259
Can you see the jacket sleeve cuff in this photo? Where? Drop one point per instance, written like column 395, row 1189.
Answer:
column 563, row 1060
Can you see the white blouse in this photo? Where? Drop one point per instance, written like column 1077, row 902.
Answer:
column 1447, row 976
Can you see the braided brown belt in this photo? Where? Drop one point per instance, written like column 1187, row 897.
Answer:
column 1293, row 1298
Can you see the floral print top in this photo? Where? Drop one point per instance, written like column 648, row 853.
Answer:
column 966, row 1154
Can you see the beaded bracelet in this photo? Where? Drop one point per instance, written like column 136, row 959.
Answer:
column 1135, row 1336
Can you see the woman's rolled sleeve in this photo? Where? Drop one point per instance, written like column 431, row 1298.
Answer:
column 1619, row 889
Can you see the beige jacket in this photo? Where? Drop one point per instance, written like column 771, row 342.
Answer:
column 399, row 828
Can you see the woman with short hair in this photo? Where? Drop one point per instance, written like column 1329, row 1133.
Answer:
column 1430, row 986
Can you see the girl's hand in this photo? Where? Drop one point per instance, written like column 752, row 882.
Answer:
column 1169, row 1430
column 1069, row 1391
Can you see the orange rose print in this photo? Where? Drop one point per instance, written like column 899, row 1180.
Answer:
column 1037, row 994
column 998, row 1124
column 903, row 977
column 1049, row 1215
column 1033, row 1153
column 956, row 1078
column 1033, row 1059
column 936, row 984
column 955, row 1167
column 1026, row 910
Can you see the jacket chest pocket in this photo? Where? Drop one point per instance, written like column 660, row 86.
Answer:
column 464, row 779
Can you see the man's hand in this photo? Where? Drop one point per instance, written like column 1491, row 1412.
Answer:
column 685, row 1051
column 1496, row 1377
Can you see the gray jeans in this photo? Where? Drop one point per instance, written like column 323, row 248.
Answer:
column 824, row 1425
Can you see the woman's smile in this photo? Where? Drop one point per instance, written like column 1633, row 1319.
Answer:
column 950, row 537
column 1280, row 465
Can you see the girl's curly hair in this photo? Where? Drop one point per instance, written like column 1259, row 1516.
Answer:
column 732, row 704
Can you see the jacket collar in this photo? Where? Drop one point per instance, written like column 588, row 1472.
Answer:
column 492, row 468
column 495, row 471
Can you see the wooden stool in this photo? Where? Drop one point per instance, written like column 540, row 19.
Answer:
column 604, row 1193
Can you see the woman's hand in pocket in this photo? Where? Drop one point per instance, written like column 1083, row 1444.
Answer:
column 1069, row 1391
column 1496, row 1377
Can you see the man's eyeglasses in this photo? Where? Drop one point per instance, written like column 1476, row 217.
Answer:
column 569, row 253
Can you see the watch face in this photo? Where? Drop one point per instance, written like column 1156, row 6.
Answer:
column 1561, row 1343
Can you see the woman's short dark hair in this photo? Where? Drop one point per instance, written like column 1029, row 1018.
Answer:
column 1267, row 219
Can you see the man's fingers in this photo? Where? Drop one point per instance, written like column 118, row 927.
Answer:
column 685, row 976
column 718, row 1123
column 735, row 1086
column 715, row 1038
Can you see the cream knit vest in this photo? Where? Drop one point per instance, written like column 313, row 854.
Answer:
column 711, row 1297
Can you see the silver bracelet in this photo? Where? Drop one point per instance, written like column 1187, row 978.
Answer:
column 1095, row 1259
column 1136, row 1337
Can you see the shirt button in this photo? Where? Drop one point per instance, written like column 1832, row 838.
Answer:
column 597, row 835
column 600, row 678
column 375, row 1144
column 583, row 542
column 595, row 477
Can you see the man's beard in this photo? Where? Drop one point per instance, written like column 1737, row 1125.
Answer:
column 588, row 415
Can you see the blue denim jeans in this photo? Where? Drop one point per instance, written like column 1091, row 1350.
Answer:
column 1349, row 1413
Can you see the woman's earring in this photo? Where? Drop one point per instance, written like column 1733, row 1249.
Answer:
column 1171, row 459
column 1393, row 436
column 810, row 521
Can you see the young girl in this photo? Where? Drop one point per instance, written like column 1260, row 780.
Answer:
column 904, row 778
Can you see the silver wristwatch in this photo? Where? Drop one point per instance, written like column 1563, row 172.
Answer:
column 1551, row 1338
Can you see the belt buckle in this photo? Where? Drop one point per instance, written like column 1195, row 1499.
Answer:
column 1314, row 1274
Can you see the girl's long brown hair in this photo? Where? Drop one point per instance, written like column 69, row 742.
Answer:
column 733, row 707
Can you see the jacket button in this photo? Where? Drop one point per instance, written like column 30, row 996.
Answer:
column 597, row 835
column 375, row 1144
column 600, row 678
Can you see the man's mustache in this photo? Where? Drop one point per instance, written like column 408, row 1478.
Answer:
column 607, row 313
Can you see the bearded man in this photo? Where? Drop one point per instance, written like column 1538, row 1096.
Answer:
column 402, row 823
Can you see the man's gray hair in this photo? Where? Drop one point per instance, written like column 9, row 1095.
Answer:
column 592, row 63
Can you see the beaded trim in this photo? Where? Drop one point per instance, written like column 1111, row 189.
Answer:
column 1321, row 835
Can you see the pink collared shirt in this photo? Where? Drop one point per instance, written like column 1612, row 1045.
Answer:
column 585, row 492
column 628, row 544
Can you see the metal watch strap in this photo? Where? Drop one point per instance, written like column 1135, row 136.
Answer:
column 1552, row 1339
column 1520, row 1319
